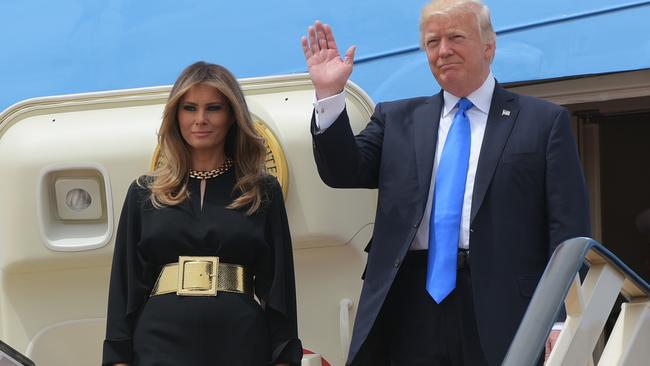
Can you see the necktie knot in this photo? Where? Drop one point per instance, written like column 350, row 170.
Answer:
column 463, row 105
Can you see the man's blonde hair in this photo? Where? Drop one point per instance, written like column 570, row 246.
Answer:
column 446, row 7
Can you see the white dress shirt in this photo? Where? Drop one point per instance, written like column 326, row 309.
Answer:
column 328, row 110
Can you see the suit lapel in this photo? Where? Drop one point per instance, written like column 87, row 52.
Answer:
column 426, row 119
column 501, row 119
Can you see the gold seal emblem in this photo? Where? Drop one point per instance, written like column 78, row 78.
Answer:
column 276, row 163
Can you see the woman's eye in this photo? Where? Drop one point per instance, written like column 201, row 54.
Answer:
column 214, row 108
column 189, row 108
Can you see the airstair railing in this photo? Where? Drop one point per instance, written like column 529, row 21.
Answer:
column 11, row 357
column 588, row 306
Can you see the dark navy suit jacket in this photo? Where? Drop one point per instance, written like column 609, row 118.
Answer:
column 529, row 196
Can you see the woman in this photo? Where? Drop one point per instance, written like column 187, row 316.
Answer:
column 210, row 199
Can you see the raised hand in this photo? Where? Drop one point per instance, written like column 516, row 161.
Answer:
column 328, row 72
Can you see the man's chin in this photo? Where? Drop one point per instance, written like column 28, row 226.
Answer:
column 448, row 81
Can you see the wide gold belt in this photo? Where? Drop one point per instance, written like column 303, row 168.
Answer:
column 202, row 276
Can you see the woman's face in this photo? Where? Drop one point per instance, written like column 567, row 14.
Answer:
column 204, row 118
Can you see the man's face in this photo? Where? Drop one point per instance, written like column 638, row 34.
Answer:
column 458, row 57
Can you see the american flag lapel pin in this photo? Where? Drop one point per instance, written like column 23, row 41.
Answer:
column 505, row 112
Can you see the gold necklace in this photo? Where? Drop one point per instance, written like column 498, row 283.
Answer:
column 198, row 174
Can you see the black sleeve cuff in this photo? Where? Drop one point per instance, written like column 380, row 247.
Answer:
column 289, row 351
column 117, row 351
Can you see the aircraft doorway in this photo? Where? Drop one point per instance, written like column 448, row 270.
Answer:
column 615, row 149
column 611, row 122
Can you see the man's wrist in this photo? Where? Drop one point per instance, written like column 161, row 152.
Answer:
column 327, row 93
column 327, row 110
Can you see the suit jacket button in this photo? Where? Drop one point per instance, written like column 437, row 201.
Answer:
column 396, row 263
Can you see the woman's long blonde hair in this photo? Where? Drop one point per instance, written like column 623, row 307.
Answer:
column 169, row 178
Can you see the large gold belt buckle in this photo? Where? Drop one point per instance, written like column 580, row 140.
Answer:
column 197, row 276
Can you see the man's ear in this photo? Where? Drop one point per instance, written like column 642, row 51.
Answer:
column 490, row 49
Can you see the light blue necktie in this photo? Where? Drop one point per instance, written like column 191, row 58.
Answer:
column 447, row 206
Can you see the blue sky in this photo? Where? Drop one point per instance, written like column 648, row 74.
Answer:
column 74, row 46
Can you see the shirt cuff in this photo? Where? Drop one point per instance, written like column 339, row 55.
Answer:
column 328, row 110
column 558, row 326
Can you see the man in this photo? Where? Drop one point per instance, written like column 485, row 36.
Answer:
column 473, row 169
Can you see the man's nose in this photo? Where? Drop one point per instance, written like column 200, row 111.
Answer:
column 445, row 48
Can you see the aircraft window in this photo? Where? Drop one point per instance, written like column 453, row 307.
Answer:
column 78, row 199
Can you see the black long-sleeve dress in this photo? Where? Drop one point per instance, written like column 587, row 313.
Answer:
column 228, row 329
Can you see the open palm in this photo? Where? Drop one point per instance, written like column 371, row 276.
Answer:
column 328, row 72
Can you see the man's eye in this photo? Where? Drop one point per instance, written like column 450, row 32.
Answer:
column 432, row 43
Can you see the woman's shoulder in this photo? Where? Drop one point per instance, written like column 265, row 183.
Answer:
column 139, row 187
column 270, row 184
column 271, row 190
column 270, row 181
column 142, row 182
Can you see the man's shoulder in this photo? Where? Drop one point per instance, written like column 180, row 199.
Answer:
column 404, row 104
column 406, row 101
column 534, row 102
